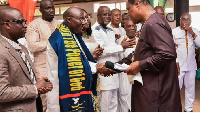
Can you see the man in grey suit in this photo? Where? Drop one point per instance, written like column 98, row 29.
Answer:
column 18, row 86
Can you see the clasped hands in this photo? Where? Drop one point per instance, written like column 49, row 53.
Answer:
column 97, row 52
column 43, row 85
column 106, row 72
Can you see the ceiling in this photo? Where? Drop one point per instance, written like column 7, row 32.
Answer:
column 57, row 2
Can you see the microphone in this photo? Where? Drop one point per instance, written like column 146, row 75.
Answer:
column 122, row 67
column 116, row 67
column 111, row 65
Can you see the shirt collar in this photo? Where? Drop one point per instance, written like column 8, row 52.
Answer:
column 181, row 28
column 98, row 27
column 12, row 43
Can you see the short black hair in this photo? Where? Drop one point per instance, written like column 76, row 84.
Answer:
column 141, row 1
column 42, row 3
column 115, row 10
column 5, row 11
column 124, row 16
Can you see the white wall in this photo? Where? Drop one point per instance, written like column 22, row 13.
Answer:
column 90, row 9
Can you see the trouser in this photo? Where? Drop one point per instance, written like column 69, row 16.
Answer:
column 44, row 101
column 124, row 93
column 108, row 100
column 188, row 77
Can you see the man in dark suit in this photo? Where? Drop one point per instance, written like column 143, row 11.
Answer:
column 18, row 86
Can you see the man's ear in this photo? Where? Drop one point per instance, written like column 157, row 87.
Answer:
column 40, row 10
column 68, row 19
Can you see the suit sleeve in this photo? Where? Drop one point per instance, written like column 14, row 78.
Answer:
column 108, row 49
column 52, row 75
column 127, row 60
column 10, row 93
column 160, row 38
column 33, row 39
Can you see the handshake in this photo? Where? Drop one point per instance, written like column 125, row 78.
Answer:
column 109, row 68
column 43, row 85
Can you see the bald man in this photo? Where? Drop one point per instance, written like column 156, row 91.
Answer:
column 116, row 19
column 71, row 67
column 160, row 10
column 19, row 87
column 105, row 36
column 37, row 35
column 186, row 38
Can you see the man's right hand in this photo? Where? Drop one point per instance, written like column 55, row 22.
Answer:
column 43, row 85
column 128, row 43
column 97, row 52
column 102, row 70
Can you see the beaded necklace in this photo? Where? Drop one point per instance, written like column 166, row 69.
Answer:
column 85, row 36
column 186, row 40
column 149, row 14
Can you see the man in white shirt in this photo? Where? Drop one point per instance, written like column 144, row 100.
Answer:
column 116, row 19
column 131, row 30
column 70, row 66
column 124, row 85
column 106, row 38
column 186, row 38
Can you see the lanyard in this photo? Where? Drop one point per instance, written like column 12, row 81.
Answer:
column 186, row 40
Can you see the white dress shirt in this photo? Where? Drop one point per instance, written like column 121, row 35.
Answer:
column 186, row 60
column 106, row 39
column 120, row 31
column 23, row 41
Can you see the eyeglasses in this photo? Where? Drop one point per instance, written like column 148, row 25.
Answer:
column 87, row 16
column 81, row 19
column 183, row 19
column 22, row 21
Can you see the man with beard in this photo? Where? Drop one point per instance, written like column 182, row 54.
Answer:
column 155, row 59
column 106, row 38
column 71, row 67
column 38, row 33
column 18, row 85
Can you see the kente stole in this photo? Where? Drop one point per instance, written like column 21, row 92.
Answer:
column 76, row 82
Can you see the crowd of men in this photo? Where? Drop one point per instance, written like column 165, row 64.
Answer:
column 54, row 69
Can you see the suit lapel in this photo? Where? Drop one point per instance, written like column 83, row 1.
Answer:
column 28, row 58
column 18, row 58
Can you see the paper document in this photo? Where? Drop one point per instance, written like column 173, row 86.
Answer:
column 131, row 78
